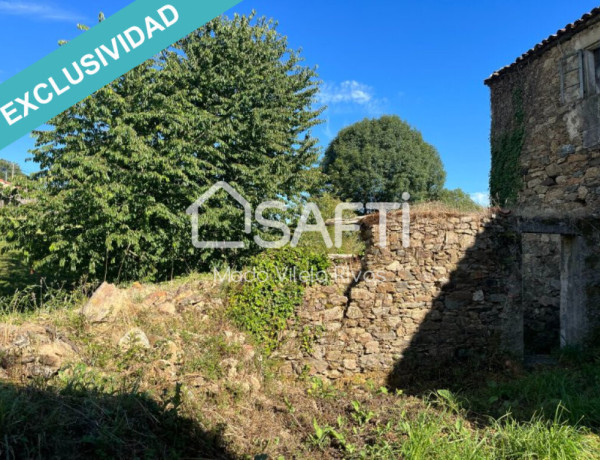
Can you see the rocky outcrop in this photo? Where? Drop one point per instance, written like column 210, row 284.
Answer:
column 134, row 338
column 140, row 322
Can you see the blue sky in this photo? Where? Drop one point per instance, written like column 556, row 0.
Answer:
column 424, row 61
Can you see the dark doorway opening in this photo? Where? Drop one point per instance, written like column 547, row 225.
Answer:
column 541, row 269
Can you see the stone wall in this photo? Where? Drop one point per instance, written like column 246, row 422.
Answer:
column 449, row 296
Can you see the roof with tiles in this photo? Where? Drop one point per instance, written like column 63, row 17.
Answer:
column 563, row 34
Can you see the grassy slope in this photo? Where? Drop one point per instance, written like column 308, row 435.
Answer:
column 216, row 401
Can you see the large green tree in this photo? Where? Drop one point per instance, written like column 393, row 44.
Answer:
column 380, row 159
column 230, row 102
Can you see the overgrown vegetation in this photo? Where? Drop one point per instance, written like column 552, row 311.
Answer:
column 569, row 389
column 505, row 175
column 458, row 200
column 41, row 297
column 200, row 391
column 437, row 427
column 230, row 102
column 85, row 416
column 10, row 170
column 272, row 289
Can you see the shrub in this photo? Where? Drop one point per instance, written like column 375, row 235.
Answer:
column 272, row 289
column 459, row 200
column 352, row 242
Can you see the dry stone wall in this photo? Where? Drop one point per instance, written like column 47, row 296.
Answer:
column 448, row 296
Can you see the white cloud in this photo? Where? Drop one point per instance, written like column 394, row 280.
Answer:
column 347, row 91
column 351, row 97
column 481, row 198
column 37, row 11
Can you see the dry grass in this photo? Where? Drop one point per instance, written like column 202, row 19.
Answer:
column 202, row 390
column 434, row 210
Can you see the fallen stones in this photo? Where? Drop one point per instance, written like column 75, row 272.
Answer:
column 104, row 304
column 134, row 337
column 167, row 308
column 229, row 365
column 33, row 351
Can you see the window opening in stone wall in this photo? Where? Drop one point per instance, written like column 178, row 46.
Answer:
column 590, row 64
column 580, row 75
column 596, row 62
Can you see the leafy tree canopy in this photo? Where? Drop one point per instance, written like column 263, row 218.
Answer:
column 230, row 102
column 9, row 169
column 380, row 159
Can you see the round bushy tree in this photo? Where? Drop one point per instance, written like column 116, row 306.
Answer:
column 380, row 159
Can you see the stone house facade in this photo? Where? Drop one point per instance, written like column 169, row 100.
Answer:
column 545, row 139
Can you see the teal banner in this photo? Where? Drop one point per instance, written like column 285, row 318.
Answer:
column 97, row 57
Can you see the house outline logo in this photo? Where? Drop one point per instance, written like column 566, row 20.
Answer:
column 310, row 210
column 193, row 212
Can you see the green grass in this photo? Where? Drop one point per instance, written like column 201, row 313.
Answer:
column 25, row 293
column 84, row 414
column 542, row 393
column 542, row 439
column 207, row 357
column 110, row 404
column 33, row 300
column 437, row 427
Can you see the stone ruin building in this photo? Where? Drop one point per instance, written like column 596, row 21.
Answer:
column 522, row 279
column 546, row 168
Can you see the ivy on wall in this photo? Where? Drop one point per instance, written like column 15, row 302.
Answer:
column 505, row 176
column 273, row 289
